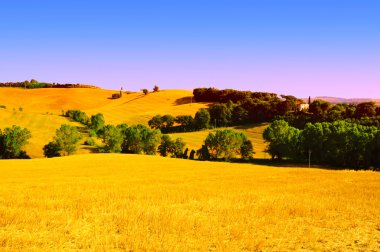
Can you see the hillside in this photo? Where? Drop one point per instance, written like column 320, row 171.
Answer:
column 131, row 108
column 42, row 112
column 114, row 202
column 336, row 100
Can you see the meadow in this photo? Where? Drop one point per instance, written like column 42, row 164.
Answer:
column 111, row 202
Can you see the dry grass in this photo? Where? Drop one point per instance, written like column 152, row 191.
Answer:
column 131, row 108
column 107, row 202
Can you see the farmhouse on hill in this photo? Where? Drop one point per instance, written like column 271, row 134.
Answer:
column 302, row 106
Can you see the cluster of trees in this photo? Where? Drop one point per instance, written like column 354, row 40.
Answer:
column 65, row 142
column 36, row 84
column 366, row 113
column 225, row 144
column 13, row 141
column 137, row 139
column 95, row 123
column 181, row 123
column 241, row 107
column 338, row 143
column 232, row 108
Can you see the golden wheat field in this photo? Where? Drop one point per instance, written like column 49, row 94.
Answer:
column 112, row 202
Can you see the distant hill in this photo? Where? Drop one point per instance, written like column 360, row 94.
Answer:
column 335, row 100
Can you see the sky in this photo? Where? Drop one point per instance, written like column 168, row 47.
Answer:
column 296, row 47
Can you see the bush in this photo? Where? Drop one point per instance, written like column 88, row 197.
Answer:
column 116, row 96
column 52, row 149
column 155, row 88
column 90, row 141
column 78, row 116
column 145, row 91
column 246, row 150
column 192, row 154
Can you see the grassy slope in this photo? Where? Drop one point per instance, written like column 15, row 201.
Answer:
column 130, row 202
column 131, row 108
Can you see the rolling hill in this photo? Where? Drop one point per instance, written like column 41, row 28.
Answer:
column 41, row 112
column 336, row 100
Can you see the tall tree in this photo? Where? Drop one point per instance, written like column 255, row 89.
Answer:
column 202, row 119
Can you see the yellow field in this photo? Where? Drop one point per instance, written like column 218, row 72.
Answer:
column 109, row 202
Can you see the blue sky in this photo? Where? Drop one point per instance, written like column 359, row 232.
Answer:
column 308, row 47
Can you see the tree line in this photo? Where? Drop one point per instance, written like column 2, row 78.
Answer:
column 234, row 107
column 32, row 84
column 366, row 113
column 139, row 139
column 338, row 143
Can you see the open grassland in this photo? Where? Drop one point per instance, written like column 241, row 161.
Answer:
column 42, row 109
column 106, row 202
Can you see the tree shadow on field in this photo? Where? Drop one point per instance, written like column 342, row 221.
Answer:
column 184, row 100
column 92, row 149
column 287, row 164
column 249, row 126
column 138, row 97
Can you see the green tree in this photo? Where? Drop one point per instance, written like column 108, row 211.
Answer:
column 140, row 139
column 186, row 122
column 12, row 142
column 156, row 88
column 167, row 121
column 165, row 147
column 221, row 114
column 202, row 119
column 192, row 154
column 112, row 138
column 224, row 143
column 97, row 122
column 155, row 122
column 246, row 150
column 283, row 139
column 203, row 153
column 239, row 115
column 170, row 147
column 67, row 138
column 365, row 109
